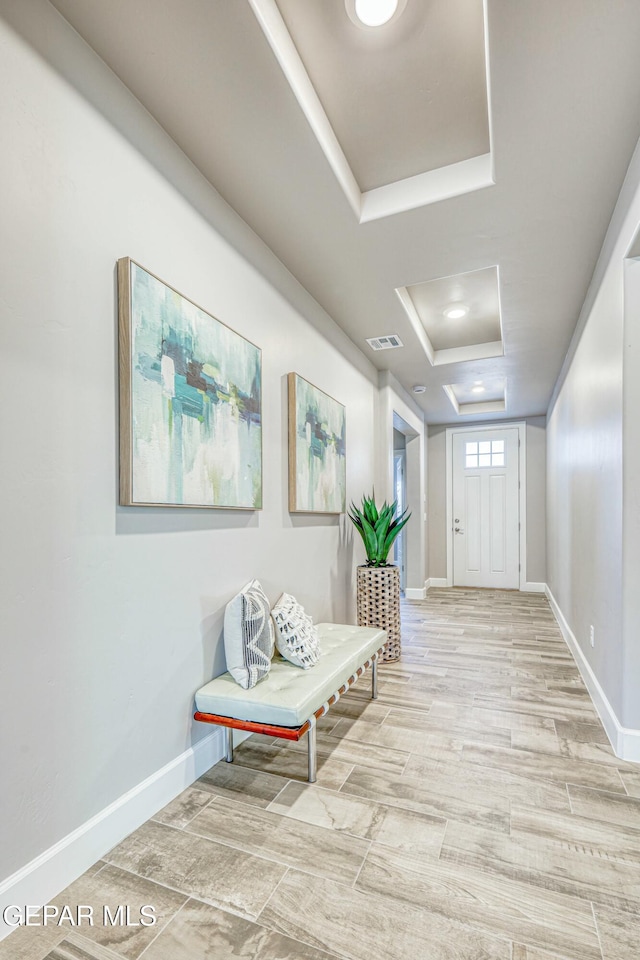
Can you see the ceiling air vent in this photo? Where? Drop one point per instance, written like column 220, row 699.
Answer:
column 390, row 342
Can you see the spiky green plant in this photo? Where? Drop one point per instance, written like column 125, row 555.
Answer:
column 378, row 528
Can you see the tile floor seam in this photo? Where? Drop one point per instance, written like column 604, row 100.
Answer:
column 270, row 859
column 334, row 955
column 342, row 785
column 496, row 862
column 571, row 810
column 608, row 789
column 364, row 860
column 192, row 898
column 624, row 786
column 384, row 901
column 161, row 931
column 595, row 920
column 444, row 833
column 607, row 766
column 238, row 763
column 511, row 881
column 188, row 896
column 269, row 898
column 187, row 822
column 352, row 768
column 406, row 764
column 283, row 787
column 470, row 925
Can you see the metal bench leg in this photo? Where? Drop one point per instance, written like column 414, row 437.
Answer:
column 228, row 744
column 374, row 680
column 313, row 760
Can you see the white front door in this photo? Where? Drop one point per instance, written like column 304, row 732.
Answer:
column 486, row 521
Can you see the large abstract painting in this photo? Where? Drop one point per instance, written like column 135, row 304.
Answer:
column 317, row 461
column 190, row 402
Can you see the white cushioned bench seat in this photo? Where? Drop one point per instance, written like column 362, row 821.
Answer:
column 288, row 696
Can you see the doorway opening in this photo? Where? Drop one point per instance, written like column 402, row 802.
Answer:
column 406, row 479
column 400, row 495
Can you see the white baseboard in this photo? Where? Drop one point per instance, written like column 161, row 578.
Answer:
column 624, row 740
column 629, row 744
column 530, row 586
column 52, row 871
column 415, row 593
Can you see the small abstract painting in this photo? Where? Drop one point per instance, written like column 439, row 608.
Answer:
column 317, row 450
column 190, row 402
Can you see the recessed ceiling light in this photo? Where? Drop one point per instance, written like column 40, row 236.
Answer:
column 456, row 311
column 477, row 389
column 419, row 388
column 373, row 13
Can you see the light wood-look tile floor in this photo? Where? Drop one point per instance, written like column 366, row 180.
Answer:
column 475, row 811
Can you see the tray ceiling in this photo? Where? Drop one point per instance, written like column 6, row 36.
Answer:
column 374, row 144
column 488, row 395
column 456, row 318
column 393, row 124
column 565, row 85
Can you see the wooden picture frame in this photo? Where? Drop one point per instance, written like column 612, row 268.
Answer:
column 317, row 450
column 190, row 401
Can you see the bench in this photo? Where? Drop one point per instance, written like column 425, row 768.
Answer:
column 289, row 701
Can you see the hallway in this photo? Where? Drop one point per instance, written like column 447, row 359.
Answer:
column 475, row 810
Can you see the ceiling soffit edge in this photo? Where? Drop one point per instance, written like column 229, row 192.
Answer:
column 496, row 405
column 453, row 180
column 474, row 351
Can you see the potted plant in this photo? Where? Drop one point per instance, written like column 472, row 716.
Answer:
column 378, row 584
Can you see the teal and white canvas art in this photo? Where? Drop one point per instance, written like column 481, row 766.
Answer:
column 190, row 402
column 317, row 450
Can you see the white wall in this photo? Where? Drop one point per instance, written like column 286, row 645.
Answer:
column 584, row 492
column 592, row 472
column 631, row 494
column 536, row 433
column 111, row 617
column 536, row 495
column 393, row 403
column 437, row 502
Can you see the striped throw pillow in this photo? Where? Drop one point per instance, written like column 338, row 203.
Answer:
column 248, row 635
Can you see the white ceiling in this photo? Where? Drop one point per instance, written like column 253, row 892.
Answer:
column 393, row 123
column 477, row 396
column 476, row 291
column 491, row 390
column 565, row 85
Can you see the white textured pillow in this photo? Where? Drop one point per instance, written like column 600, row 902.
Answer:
column 296, row 637
column 248, row 635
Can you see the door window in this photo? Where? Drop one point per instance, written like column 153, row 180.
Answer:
column 484, row 453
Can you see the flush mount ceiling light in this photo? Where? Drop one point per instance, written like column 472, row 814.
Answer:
column 419, row 388
column 456, row 311
column 374, row 13
column 477, row 389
